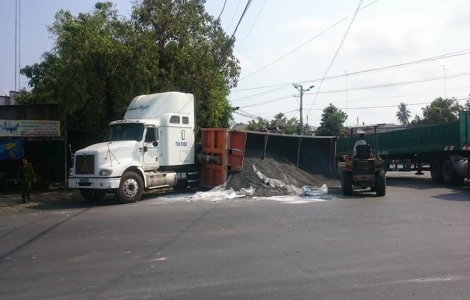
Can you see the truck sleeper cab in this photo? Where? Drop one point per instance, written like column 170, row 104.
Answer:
column 141, row 154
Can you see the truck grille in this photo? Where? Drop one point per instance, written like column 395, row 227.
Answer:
column 365, row 167
column 85, row 164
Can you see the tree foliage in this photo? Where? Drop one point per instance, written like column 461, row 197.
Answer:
column 101, row 60
column 403, row 114
column 332, row 120
column 439, row 111
column 467, row 105
column 280, row 121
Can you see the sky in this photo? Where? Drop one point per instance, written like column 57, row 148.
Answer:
column 279, row 43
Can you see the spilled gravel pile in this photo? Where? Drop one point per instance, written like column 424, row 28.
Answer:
column 276, row 176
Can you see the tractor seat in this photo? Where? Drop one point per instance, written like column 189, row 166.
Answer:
column 363, row 151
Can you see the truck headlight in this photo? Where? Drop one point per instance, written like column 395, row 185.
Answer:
column 106, row 172
column 71, row 172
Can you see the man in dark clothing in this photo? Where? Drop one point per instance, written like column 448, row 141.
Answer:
column 26, row 175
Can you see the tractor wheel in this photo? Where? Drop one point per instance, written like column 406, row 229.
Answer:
column 131, row 188
column 436, row 172
column 346, row 183
column 381, row 184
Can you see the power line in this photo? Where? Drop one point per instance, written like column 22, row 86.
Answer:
column 400, row 96
column 388, row 106
column 394, row 84
column 394, row 96
column 363, row 88
column 223, row 7
column 268, row 101
column 336, row 54
column 442, row 56
column 236, row 9
column 249, row 32
column 297, row 48
column 256, row 95
column 241, row 18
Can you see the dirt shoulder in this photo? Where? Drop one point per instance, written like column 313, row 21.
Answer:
column 11, row 202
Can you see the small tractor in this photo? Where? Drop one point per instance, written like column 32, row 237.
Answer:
column 363, row 171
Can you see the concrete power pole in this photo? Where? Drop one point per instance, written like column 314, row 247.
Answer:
column 302, row 91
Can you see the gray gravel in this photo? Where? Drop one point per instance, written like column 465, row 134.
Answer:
column 276, row 167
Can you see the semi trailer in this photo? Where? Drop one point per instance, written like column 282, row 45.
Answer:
column 445, row 147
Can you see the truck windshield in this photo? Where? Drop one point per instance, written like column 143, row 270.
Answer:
column 126, row 132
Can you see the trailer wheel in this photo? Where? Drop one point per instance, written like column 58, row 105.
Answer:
column 449, row 175
column 131, row 188
column 436, row 171
column 92, row 195
column 380, row 184
column 346, row 183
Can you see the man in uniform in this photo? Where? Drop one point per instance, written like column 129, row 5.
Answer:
column 26, row 175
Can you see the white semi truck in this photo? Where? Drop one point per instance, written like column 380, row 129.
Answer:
column 152, row 147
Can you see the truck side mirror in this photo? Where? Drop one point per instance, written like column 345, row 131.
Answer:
column 155, row 143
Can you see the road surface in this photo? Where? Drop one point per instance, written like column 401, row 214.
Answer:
column 413, row 243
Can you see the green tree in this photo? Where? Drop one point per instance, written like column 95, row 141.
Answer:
column 416, row 121
column 467, row 105
column 255, row 125
column 287, row 126
column 332, row 121
column 100, row 61
column 403, row 114
column 195, row 54
column 441, row 111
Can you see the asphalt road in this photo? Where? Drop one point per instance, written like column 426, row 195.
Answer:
column 413, row 243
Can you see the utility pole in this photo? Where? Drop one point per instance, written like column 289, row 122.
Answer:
column 302, row 91
column 445, row 83
column 19, row 45
column 347, row 96
column 16, row 36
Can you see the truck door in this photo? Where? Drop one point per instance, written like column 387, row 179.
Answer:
column 150, row 150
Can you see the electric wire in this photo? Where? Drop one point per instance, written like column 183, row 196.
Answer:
column 251, row 28
column 336, row 54
column 447, row 55
column 297, row 48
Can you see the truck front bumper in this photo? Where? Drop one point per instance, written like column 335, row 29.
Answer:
column 93, row 183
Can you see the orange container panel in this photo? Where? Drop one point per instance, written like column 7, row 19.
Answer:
column 212, row 175
column 214, row 143
column 237, row 150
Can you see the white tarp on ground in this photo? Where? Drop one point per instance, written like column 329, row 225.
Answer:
column 295, row 194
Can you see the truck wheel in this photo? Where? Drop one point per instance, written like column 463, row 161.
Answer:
column 92, row 195
column 436, row 172
column 131, row 188
column 381, row 184
column 449, row 175
column 181, row 184
column 346, row 183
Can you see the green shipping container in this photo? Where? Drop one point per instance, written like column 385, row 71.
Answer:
column 425, row 141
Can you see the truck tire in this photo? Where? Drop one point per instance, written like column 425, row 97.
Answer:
column 346, row 183
column 449, row 175
column 92, row 195
column 380, row 184
column 131, row 188
column 181, row 184
column 436, row 171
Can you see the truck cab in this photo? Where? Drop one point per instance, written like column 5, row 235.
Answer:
column 151, row 147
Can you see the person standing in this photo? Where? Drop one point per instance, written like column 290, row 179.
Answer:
column 26, row 175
